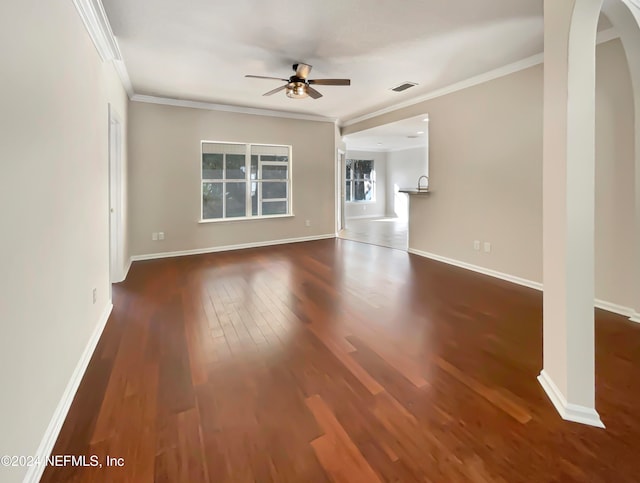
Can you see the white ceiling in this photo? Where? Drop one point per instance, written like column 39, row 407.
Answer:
column 200, row 50
column 408, row 133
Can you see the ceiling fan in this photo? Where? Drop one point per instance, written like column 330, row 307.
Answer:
column 298, row 86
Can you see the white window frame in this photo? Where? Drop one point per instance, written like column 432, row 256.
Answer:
column 249, row 183
column 353, row 180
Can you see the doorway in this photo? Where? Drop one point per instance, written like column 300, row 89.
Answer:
column 379, row 164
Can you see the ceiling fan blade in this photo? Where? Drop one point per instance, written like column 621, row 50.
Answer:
column 302, row 70
column 265, row 77
column 330, row 82
column 313, row 93
column 277, row 89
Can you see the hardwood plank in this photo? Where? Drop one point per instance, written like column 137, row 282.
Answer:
column 336, row 452
column 494, row 396
column 362, row 375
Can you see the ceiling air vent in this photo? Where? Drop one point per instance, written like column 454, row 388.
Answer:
column 404, row 86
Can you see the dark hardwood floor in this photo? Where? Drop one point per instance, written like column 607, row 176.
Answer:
column 339, row 361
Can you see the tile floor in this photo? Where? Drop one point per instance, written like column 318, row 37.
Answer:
column 386, row 232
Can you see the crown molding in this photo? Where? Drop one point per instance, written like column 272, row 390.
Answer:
column 97, row 24
column 603, row 36
column 167, row 101
column 123, row 74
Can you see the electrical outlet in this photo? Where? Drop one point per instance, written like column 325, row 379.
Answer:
column 307, row 222
column 476, row 245
column 95, row 295
column 161, row 235
column 154, row 236
column 487, row 247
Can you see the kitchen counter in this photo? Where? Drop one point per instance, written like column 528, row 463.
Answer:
column 414, row 191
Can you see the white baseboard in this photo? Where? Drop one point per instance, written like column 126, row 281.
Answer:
column 615, row 308
column 476, row 268
column 123, row 273
column 241, row 246
column 126, row 270
column 601, row 304
column 568, row 411
column 34, row 473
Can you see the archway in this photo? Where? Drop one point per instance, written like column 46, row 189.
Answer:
column 568, row 375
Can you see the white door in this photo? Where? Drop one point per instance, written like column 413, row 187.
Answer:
column 115, row 197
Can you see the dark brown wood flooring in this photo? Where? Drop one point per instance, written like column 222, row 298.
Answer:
column 339, row 361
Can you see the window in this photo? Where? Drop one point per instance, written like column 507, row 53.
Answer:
column 245, row 180
column 361, row 180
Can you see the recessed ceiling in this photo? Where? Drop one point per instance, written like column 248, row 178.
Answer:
column 408, row 133
column 200, row 50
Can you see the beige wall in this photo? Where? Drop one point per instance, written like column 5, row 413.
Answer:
column 165, row 160
column 614, row 177
column 54, row 247
column 486, row 175
column 375, row 208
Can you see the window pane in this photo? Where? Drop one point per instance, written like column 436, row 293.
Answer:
column 271, row 190
column 362, row 190
column 361, row 178
column 212, row 166
column 254, row 200
column 280, row 159
column 362, row 169
column 236, row 199
column 368, row 190
column 211, row 200
column 274, row 208
column 274, row 172
column 235, row 166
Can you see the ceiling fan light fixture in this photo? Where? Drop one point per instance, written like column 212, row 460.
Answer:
column 297, row 90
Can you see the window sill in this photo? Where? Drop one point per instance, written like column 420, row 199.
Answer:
column 245, row 218
column 373, row 202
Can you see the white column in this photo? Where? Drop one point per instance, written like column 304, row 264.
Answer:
column 568, row 375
